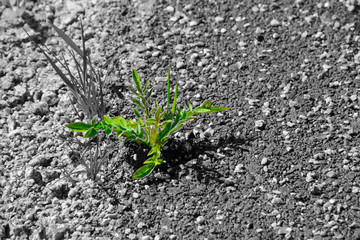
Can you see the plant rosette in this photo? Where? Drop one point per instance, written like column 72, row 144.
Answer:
column 154, row 125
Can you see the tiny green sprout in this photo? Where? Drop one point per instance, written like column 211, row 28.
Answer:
column 154, row 125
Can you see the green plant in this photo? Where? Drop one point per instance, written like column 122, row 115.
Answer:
column 154, row 125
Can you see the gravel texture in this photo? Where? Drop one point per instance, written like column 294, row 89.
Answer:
column 283, row 163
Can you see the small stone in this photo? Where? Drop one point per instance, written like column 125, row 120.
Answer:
column 58, row 233
column 180, row 65
column 277, row 201
column 74, row 7
column 275, row 35
column 39, row 108
column 141, row 225
column 209, row 132
column 21, row 92
column 316, row 189
column 73, row 192
column 40, row 160
column 193, row 23
column 331, row 174
column 200, row 228
column 7, row 82
column 146, row 237
column 355, row 189
column 132, row 236
column 239, row 168
column 219, row 19
column 259, row 123
column 50, row 98
column 60, row 189
column 274, row 23
column 264, row 161
column 200, row 219
column 155, row 54
column 31, row 173
column 169, row 9
column 135, row 195
column 310, row 177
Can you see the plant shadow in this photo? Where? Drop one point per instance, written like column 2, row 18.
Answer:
column 177, row 157
column 179, row 152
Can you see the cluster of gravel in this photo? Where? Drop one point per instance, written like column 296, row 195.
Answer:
column 283, row 163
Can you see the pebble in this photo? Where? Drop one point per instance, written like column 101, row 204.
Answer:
column 169, row 9
column 264, row 161
column 73, row 192
column 39, row 108
column 155, row 54
column 200, row 219
column 275, row 35
column 147, row 237
column 310, row 177
column 141, row 225
column 277, row 201
column 239, row 168
column 219, row 19
column 136, row 195
column 21, row 92
column 180, row 65
column 7, row 82
column 274, row 23
column 259, row 123
column 132, row 236
column 193, row 23
column 40, row 160
column 31, row 173
column 50, row 98
column 331, row 174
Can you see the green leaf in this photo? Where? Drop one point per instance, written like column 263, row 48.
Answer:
column 78, row 126
column 108, row 120
column 131, row 137
column 206, row 104
column 165, row 122
column 217, row 109
column 175, row 129
column 168, row 89
column 190, row 107
column 118, row 135
column 201, row 110
column 92, row 132
column 149, row 94
column 134, row 92
column 107, row 131
column 137, row 81
column 138, row 129
column 136, row 113
column 132, row 123
column 175, row 98
column 146, row 85
column 156, row 150
column 150, row 121
column 137, row 102
column 98, row 126
column 158, row 161
column 157, row 114
column 144, row 171
column 120, row 121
